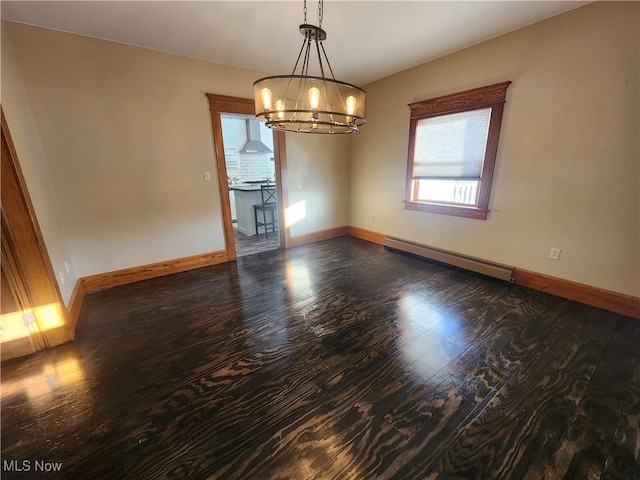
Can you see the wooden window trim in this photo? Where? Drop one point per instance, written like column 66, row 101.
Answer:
column 492, row 96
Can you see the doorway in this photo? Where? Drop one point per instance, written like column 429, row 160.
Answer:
column 245, row 170
column 251, row 177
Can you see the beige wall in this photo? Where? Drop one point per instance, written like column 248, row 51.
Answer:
column 126, row 134
column 324, row 192
column 567, row 171
column 24, row 133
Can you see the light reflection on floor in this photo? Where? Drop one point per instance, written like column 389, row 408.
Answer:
column 299, row 280
column 51, row 376
column 427, row 353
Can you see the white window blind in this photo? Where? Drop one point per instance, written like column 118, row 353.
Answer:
column 451, row 146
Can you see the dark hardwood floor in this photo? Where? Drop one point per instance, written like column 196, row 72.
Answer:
column 250, row 245
column 337, row 360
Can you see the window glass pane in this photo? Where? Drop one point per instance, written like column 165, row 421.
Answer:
column 451, row 146
column 461, row 192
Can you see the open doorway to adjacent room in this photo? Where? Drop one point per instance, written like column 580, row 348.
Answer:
column 249, row 160
column 251, row 177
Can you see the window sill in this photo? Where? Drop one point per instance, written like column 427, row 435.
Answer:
column 453, row 210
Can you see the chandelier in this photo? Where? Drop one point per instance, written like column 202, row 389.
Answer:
column 305, row 103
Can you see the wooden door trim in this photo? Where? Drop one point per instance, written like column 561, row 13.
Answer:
column 219, row 104
column 14, row 282
column 280, row 151
column 30, row 248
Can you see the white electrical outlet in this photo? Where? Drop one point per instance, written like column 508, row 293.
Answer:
column 207, row 176
column 554, row 254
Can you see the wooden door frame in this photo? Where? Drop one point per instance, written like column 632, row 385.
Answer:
column 30, row 251
column 218, row 105
column 11, row 272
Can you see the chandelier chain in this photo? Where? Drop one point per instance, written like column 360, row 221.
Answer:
column 320, row 12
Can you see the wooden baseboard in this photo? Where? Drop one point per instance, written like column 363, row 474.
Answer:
column 318, row 236
column 368, row 235
column 75, row 306
column 102, row 281
column 594, row 296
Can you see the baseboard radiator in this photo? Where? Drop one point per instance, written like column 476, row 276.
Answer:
column 492, row 269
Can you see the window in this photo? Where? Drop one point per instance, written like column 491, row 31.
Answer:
column 453, row 142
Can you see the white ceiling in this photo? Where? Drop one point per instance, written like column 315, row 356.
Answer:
column 366, row 40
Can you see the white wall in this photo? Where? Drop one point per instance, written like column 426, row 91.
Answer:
column 568, row 165
column 26, row 139
column 126, row 135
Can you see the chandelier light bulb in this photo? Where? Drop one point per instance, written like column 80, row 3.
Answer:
column 351, row 108
column 314, row 98
column 280, row 108
column 351, row 104
column 266, row 98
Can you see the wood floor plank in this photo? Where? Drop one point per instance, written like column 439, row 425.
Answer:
column 530, row 413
